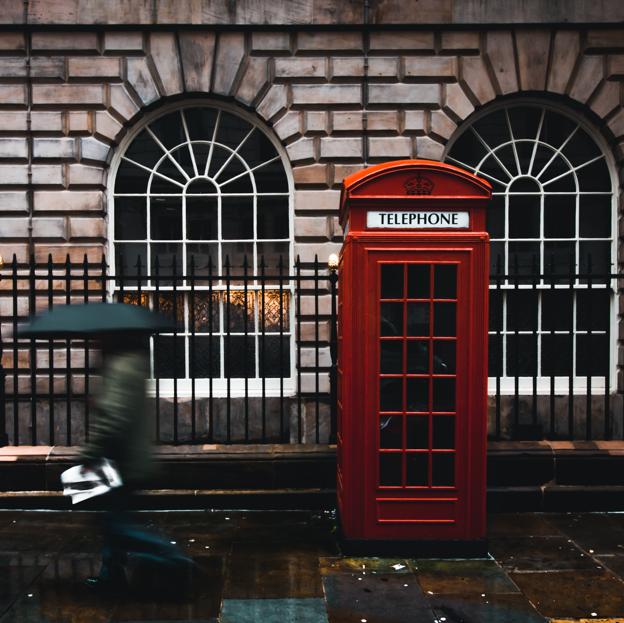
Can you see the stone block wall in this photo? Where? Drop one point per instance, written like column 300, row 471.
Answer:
column 338, row 100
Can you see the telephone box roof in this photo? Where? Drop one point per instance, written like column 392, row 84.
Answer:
column 412, row 180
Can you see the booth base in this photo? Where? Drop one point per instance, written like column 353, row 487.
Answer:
column 414, row 549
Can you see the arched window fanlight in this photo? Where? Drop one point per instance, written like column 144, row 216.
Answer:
column 551, row 225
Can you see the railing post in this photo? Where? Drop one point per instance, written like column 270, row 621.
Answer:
column 4, row 437
column 333, row 345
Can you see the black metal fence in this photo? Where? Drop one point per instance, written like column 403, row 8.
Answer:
column 250, row 363
column 254, row 359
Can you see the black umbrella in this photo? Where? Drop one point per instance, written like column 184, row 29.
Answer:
column 91, row 319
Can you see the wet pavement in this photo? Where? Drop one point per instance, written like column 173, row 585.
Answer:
column 282, row 567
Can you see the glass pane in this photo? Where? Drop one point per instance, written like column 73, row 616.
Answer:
column 274, row 362
column 580, row 148
column 594, row 176
column 418, row 278
column 217, row 159
column 468, row 149
column 166, row 218
column 556, row 128
column 444, row 356
column 272, row 253
column 169, row 258
column 595, row 216
column 144, row 150
column 391, row 431
column 524, row 121
column 168, row 169
column 202, row 153
column 443, row 469
column 273, row 221
column 496, row 310
column 275, row 313
column 392, row 281
column 595, row 257
column 525, row 154
column 556, row 355
column 523, row 258
column 417, row 466
column 417, row 357
column 130, row 260
column 554, row 167
column 444, row 432
column 592, row 355
column 592, row 311
column 521, row 355
column 172, row 307
column 493, row 128
column 131, row 179
column 205, row 260
column 237, row 218
column 390, row 469
column 492, row 168
column 231, row 170
column 417, row 431
column 238, row 312
column 559, row 216
column 497, row 260
column 257, row 149
column 204, row 358
column 559, row 260
column 169, row 357
column 391, row 319
column 232, row 130
column 495, row 355
column 445, row 281
column 418, row 319
column 557, row 310
column 271, row 178
column 391, row 357
column 524, row 216
column 235, row 183
column 443, row 394
column 239, row 356
column 130, row 218
column 201, row 218
column 390, row 394
column 206, row 312
column 564, row 184
column 496, row 217
column 239, row 257
column 200, row 122
column 417, row 394
column 444, row 320
column 522, row 310
column 182, row 156
column 169, row 129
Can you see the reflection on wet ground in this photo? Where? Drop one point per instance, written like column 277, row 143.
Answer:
column 281, row 567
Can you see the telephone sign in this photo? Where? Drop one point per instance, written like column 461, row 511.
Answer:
column 412, row 355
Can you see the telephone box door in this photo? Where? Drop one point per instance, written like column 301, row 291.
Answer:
column 419, row 324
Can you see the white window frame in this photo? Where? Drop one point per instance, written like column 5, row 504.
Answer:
column 507, row 384
column 202, row 387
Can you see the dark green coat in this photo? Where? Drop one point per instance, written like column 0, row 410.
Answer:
column 119, row 427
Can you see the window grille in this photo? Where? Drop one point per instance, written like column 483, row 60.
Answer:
column 551, row 224
column 202, row 232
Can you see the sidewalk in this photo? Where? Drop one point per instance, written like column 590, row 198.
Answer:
column 282, row 567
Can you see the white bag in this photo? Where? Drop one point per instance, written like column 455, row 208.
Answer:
column 84, row 482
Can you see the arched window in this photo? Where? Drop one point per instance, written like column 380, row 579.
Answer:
column 200, row 217
column 551, row 224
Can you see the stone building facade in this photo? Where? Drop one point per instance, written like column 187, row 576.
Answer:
column 337, row 85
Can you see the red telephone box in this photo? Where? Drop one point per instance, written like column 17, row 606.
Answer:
column 412, row 363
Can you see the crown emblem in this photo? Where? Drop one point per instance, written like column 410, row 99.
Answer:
column 418, row 185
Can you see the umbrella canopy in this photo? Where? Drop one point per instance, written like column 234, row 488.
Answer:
column 94, row 318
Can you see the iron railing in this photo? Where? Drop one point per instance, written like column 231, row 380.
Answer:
column 254, row 360
column 250, row 363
